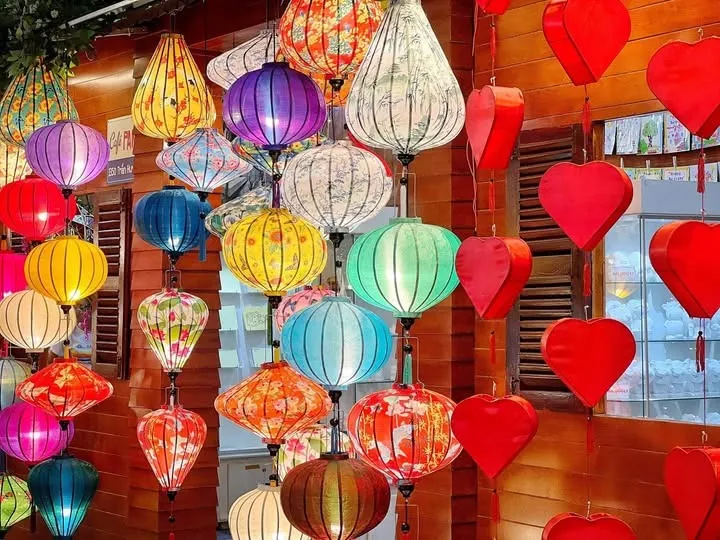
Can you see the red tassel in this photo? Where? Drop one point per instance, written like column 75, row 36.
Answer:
column 493, row 44
column 586, row 117
column 590, row 434
column 700, row 353
column 495, row 507
column 492, row 348
column 171, row 536
column 587, row 278
column 405, row 536
column 701, row 173
column 491, row 196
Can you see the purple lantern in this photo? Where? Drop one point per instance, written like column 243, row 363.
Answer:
column 30, row 434
column 274, row 106
column 67, row 154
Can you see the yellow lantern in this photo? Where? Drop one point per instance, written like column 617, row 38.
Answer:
column 172, row 99
column 66, row 269
column 274, row 251
column 13, row 165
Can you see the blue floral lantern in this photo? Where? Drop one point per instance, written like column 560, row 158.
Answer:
column 336, row 343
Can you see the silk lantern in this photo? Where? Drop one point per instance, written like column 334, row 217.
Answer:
column 252, row 202
column 261, row 160
column 35, row 208
column 228, row 67
column 335, row 497
column 34, row 99
column 13, row 165
column 293, row 303
column 258, row 514
column 172, row 322
column 12, row 273
column 31, row 435
column 62, row 488
column 66, row 269
column 15, row 503
column 204, row 161
column 67, row 154
column 307, row 444
column 405, row 97
column 172, row 99
column 12, row 373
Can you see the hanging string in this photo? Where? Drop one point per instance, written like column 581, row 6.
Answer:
column 493, row 350
column 491, row 201
column 586, row 124
column 493, row 49
column 171, row 517
column 494, row 508
column 590, row 442
column 473, row 176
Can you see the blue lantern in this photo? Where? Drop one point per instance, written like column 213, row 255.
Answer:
column 336, row 343
column 172, row 220
column 62, row 488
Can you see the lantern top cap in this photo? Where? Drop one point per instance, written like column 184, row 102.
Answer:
column 405, row 220
column 70, row 360
column 266, row 487
column 329, row 298
column 169, row 188
column 274, row 365
column 173, row 35
column 275, row 64
column 334, row 457
column 206, row 130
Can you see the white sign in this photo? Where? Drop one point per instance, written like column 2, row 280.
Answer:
column 121, row 141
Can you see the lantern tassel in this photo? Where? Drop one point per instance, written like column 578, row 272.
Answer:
column 493, row 351
column 203, row 242
column 590, row 435
column 587, row 276
column 700, row 353
column 586, row 116
column 495, row 507
column 701, row 173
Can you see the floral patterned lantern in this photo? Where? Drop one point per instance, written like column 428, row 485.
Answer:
column 13, row 165
column 258, row 515
column 228, row 67
column 29, row 434
column 293, row 303
column 253, row 202
column 307, row 444
column 261, row 160
column 12, row 373
column 12, row 273
column 172, row 322
column 15, row 502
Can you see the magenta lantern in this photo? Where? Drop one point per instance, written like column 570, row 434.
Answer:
column 12, row 273
column 30, row 434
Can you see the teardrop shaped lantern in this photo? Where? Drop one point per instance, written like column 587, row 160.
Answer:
column 261, row 160
column 35, row 208
column 336, row 343
column 12, row 273
column 406, row 267
column 34, row 99
column 13, row 165
column 204, row 161
column 172, row 322
column 228, row 67
column 307, row 444
column 336, row 186
column 62, row 489
column 258, row 515
column 405, row 97
column 66, row 269
column 293, row 303
column 253, row 202
column 172, row 99
column 15, row 502
column 31, row 435
column 12, row 373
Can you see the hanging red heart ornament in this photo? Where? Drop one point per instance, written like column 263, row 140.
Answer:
column 586, row 35
column 692, row 480
column 493, row 120
column 585, row 200
column 493, row 271
column 596, row 527
column 685, row 254
column 494, row 430
column 493, row 7
column 588, row 356
column 683, row 77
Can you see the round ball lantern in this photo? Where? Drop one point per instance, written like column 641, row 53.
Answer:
column 335, row 497
column 204, row 161
column 336, row 186
column 258, row 515
column 35, row 208
column 66, row 269
column 172, row 322
column 62, row 489
column 274, row 251
column 293, row 303
column 336, row 343
column 12, row 273
column 228, row 67
column 172, row 99
column 15, row 503
column 13, row 165
column 253, row 202
column 260, row 159
column 12, row 373
column 274, row 106
column 67, row 153
column 29, row 434
column 34, row 99
column 406, row 267
column 308, row 444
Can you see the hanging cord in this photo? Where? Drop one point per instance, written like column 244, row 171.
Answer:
column 335, row 396
column 339, row 287
column 171, row 518
column 590, row 442
column 586, row 124
column 493, row 49
column 406, row 489
column 494, row 508
column 274, row 475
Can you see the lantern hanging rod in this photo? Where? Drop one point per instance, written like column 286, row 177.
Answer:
column 102, row 11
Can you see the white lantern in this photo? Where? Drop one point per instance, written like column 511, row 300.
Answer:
column 33, row 321
column 227, row 68
column 258, row 514
column 336, row 186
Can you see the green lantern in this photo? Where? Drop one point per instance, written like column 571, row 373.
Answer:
column 406, row 267
column 15, row 502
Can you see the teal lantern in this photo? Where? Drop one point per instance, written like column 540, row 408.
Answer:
column 335, row 342
column 406, row 267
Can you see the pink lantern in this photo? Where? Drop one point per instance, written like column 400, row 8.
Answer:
column 300, row 300
column 12, row 273
column 30, row 434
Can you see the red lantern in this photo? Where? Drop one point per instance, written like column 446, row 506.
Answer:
column 594, row 527
column 12, row 273
column 35, row 208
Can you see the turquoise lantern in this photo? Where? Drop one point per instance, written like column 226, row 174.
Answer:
column 336, row 343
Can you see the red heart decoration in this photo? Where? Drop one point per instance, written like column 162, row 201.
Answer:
column 493, row 119
column 494, row 431
column 683, row 77
column 493, row 271
column 692, row 480
column 586, row 35
column 596, row 527
column 685, row 255
column 493, row 7
column 585, row 200
column 588, row 356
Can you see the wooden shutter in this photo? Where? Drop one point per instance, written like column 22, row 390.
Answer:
column 111, row 304
column 554, row 290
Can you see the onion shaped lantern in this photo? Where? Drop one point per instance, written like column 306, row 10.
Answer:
column 66, row 269
column 274, row 106
column 172, row 322
column 355, row 497
column 12, row 273
column 258, row 515
column 253, row 202
column 62, row 489
column 274, row 251
column 228, row 67
column 13, row 165
column 405, row 97
column 34, row 99
column 308, row 444
column 261, row 160
column 204, row 161
column 336, row 186
column 336, row 343
column 406, row 267
column 29, row 434
column 35, row 208
column 12, row 373
column 293, row 303
column 172, row 99
column 67, row 154
column 15, row 503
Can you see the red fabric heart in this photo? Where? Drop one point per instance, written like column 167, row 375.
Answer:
column 585, row 200
column 493, row 121
column 588, row 356
column 685, row 255
column 493, row 7
column 493, row 271
column 596, row 527
column 494, row 431
column 683, row 77
column 692, row 480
